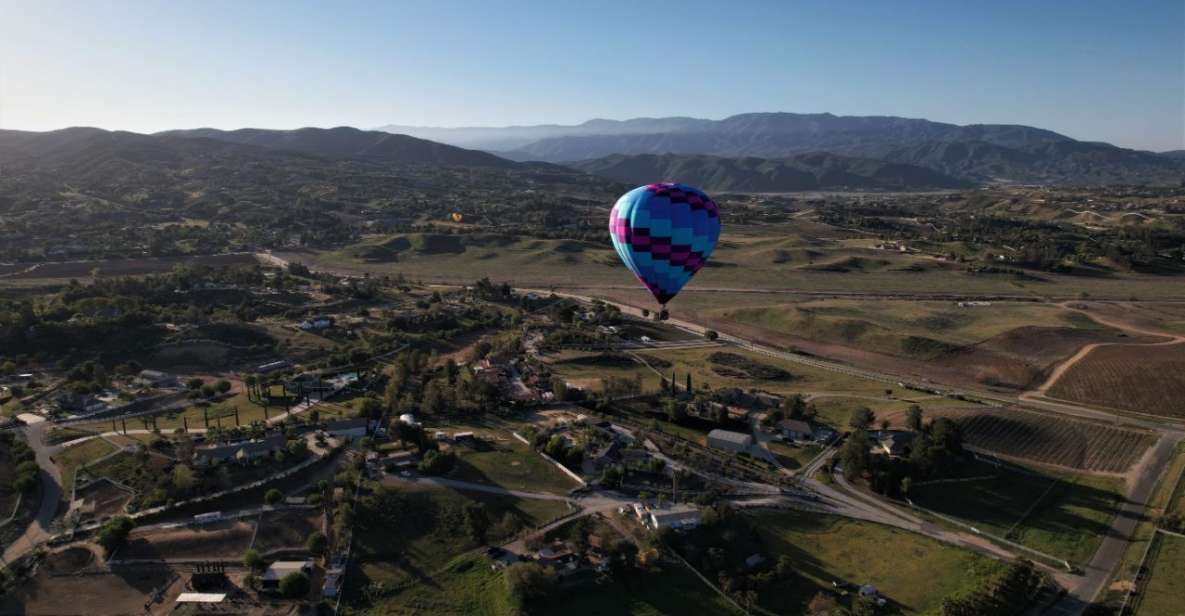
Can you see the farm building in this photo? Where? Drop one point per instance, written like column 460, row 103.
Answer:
column 276, row 572
column 677, row 517
column 729, row 441
column 243, row 451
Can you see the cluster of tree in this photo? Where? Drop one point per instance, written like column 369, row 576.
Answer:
column 936, row 452
column 414, row 384
column 114, row 533
column 119, row 317
column 21, row 457
column 436, row 462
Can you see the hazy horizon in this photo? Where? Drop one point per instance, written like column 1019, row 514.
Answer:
column 1092, row 71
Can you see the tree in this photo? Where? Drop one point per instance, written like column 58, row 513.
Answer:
column 477, row 521
column 317, row 543
column 223, row 386
column 711, row 334
column 114, row 533
column 689, row 390
column 862, row 418
column 913, row 419
column 273, row 497
column 294, row 585
column 183, row 478
column 208, row 391
column 437, row 463
column 855, row 456
column 194, row 383
column 529, row 581
column 371, row 408
column 559, row 389
column 253, row 561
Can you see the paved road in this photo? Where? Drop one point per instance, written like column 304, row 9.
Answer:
column 51, row 493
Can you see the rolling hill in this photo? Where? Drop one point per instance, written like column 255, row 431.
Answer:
column 351, row 143
column 817, row 171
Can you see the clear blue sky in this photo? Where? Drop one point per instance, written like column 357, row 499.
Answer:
column 1099, row 70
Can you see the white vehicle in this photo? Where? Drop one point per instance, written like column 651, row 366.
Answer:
column 646, row 339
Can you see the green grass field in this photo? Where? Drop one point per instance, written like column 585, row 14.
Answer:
column 510, row 464
column 1065, row 516
column 407, row 532
column 790, row 257
column 668, row 589
column 1163, row 593
column 914, row 572
column 69, row 460
column 896, row 327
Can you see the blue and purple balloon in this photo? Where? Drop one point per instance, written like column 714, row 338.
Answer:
column 664, row 233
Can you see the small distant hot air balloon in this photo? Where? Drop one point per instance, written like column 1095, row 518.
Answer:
column 458, row 217
column 664, row 233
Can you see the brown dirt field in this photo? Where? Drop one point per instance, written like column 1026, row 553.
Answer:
column 1024, row 356
column 1144, row 379
column 224, row 540
column 1046, row 439
column 123, row 591
column 1018, row 359
column 109, row 498
column 286, row 529
column 68, row 561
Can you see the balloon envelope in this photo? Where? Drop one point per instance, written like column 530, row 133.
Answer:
column 664, row 233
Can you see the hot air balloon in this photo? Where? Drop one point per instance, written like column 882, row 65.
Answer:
column 664, row 233
column 458, row 217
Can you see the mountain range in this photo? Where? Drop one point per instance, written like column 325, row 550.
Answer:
column 817, row 171
column 975, row 153
column 752, row 152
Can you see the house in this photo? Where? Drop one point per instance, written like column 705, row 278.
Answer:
column 349, row 428
column 282, row 568
column 464, row 437
column 676, row 517
column 157, row 379
column 317, row 323
column 895, row 444
column 795, row 430
column 729, row 441
column 80, row 403
column 243, row 451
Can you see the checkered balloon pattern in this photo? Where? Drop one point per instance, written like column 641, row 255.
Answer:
column 664, row 233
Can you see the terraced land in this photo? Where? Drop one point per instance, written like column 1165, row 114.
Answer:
column 1046, row 439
